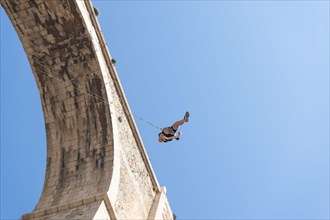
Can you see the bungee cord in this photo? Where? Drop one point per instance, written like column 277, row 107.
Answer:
column 82, row 89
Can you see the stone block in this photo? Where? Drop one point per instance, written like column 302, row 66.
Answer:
column 76, row 204
column 51, row 210
column 39, row 213
column 88, row 200
column 27, row 216
column 63, row 207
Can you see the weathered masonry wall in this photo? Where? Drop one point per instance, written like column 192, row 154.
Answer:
column 97, row 167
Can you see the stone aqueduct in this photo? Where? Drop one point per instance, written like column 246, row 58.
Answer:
column 97, row 167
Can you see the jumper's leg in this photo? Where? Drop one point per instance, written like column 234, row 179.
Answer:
column 176, row 124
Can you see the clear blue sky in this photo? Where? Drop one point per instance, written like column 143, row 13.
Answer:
column 253, row 74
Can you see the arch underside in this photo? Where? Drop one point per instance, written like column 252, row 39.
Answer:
column 77, row 118
column 96, row 162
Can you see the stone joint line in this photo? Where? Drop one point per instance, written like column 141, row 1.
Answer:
column 71, row 205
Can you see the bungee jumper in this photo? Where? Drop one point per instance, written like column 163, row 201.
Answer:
column 169, row 133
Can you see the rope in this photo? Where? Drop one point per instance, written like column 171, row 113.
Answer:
column 87, row 91
column 75, row 85
column 153, row 125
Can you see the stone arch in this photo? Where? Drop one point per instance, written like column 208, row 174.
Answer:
column 96, row 162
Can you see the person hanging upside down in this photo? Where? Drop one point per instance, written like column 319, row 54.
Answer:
column 169, row 133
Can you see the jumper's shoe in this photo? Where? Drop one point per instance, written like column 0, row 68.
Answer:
column 186, row 117
column 178, row 137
